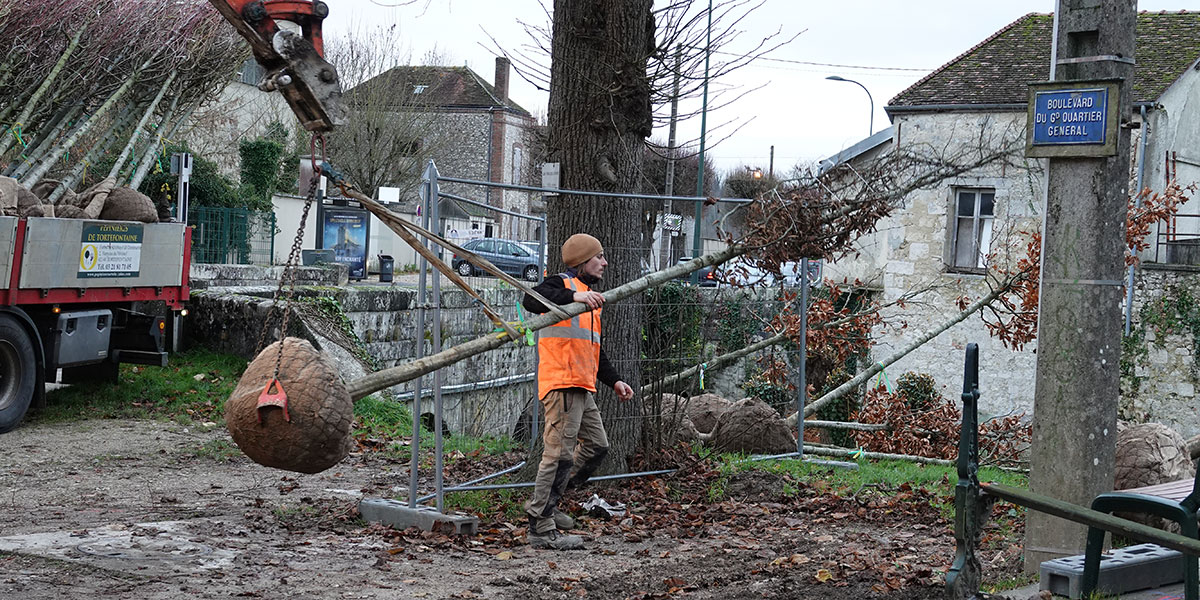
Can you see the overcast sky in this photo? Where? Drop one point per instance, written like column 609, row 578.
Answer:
column 886, row 45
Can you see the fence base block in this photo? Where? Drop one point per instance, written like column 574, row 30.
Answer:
column 399, row 515
column 1122, row 570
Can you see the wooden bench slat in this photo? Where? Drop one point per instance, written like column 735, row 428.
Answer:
column 1092, row 518
column 1174, row 490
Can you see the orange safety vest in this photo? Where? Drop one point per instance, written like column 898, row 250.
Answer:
column 569, row 351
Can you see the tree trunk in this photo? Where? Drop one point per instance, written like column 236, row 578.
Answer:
column 27, row 112
column 44, row 167
column 135, row 181
column 141, row 124
column 37, row 150
column 78, row 174
column 381, row 380
column 599, row 118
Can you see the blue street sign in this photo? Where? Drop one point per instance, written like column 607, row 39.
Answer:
column 1070, row 117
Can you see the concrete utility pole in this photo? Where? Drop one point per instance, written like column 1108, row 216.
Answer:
column 1083, row 248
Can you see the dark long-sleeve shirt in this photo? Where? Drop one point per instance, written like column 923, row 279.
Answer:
column 555, row 290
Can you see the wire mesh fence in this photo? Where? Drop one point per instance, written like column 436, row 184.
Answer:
column 682, row 327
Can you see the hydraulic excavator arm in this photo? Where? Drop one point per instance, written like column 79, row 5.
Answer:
column 295, row 63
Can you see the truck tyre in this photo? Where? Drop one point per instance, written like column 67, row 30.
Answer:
column 18, row 370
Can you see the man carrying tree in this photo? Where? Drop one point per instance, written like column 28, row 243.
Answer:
column 570, row 361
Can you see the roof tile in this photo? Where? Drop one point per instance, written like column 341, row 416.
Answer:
column 444, row 87
column 998, row 69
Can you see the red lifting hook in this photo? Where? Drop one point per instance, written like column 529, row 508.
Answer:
column 277, row 398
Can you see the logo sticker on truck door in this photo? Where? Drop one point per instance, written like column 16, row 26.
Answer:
column 110, row 249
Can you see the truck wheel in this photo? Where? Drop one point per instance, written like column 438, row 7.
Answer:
column 18, row 369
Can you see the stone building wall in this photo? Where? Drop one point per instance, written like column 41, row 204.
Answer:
column 241, row 112
column 910, row 252
column 913, row 248
column 463, row 151
column 1159, row 377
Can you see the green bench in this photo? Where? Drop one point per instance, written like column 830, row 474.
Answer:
column 1177, row 501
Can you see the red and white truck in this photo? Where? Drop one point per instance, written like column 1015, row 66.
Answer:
column 84, row 296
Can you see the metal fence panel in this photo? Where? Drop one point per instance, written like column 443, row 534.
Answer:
column 231, row 235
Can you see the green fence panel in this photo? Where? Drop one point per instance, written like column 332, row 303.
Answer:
column 235, row 236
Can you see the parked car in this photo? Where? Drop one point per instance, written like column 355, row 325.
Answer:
column 741, row 272
column 705, row 274
column 508, row 256
column 533, row 248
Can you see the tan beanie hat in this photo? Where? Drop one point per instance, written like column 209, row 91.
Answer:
column 579, row 249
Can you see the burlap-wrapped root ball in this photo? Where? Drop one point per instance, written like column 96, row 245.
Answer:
column 321, row 411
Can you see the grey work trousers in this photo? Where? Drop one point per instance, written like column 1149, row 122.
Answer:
column 573, row 438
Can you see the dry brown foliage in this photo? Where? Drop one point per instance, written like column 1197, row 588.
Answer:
column 932, row 431
column 1013, row 317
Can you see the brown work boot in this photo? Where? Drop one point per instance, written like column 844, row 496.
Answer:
column 555, row 540
column 563, row 521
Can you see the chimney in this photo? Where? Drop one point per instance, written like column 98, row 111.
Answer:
column 502, row 79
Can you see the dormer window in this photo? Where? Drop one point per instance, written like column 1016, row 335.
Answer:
column 417, row 89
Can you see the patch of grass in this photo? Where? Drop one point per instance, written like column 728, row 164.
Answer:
column 391, row 423
column 1009, row 583
column 381, row 419
column 882, row 474
column 489, row 502
column 219, row 450
column 488, row 444
column 289, row 514
column 716, row 490
column 192, row 388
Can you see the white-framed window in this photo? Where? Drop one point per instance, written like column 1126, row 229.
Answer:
column 974, row 211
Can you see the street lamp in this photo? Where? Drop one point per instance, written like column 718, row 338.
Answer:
column 869, row 99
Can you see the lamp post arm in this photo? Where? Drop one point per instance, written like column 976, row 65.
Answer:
column 870, row 99
column 871, row 121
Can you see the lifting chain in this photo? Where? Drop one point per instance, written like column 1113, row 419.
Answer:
column 288, row 277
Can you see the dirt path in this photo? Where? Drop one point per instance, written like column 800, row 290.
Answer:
column 143, row 510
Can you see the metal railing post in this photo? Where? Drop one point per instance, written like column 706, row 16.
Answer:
column 802, row 377
column 435, row 220
column 422, row 297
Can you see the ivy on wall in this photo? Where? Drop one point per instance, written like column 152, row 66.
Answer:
column 1177, row 312
column 672, row 332
column 260, row 171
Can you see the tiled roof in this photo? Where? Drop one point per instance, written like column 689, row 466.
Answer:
column 440, row 87
column 997, row 70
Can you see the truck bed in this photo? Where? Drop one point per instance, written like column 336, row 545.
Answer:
column 67, row 261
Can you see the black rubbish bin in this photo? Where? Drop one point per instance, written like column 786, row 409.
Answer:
column 386, row 265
